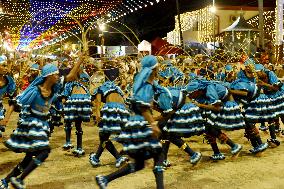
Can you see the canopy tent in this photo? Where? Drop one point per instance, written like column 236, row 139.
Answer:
column 240, row 36
column 162, row 47
column 240, row 25
column 145, row 46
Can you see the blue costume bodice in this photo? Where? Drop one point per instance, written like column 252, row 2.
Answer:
column 42, row 104
column 245, row 85
column 177, row 96
column 67, row 91
column 272, row 80
column 215, row 93
column 106, row 88
column 35, row 102
column 144, row 96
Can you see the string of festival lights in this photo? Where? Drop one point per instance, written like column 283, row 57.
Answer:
column 33, row 23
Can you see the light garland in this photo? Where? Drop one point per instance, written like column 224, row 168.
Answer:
column 204, row 21
column 31, row 21
column 200, row 20
column 269, row 24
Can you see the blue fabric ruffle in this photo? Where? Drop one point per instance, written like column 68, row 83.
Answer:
column 186, row 122
column 78, row 106
column 32, row 132
column 260, row 110
column 108, row 87
column 136, row 137
column 113, row 116
column 229, row 118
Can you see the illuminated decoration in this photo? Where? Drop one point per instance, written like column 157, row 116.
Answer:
column 48, row 22
column 202, row 21
column 279, row 30
column 6, row 42
column 199, row 20
column 269, row 24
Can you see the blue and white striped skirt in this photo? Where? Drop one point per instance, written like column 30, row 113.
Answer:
column 55, row 116
column 2, row 110
column 260, row 109
column 186, row 122
column 277, row 100
column 30, row 135
column 114, row 115
column 136, row 137
column 78, row 107
column 229, row 118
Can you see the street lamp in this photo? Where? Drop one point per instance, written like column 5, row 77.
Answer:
column 102, row 28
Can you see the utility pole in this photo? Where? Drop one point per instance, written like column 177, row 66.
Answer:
column 179, row 24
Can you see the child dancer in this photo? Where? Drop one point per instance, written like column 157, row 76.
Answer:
column 7, row 86
column 77, row 108
column 271, row 88
column 245, row 90
column 31, row 135
column 221, row 111
column 179, row 118
column 113, row 116
column 140, row 135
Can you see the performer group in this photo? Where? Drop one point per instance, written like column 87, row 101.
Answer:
column 145, row 105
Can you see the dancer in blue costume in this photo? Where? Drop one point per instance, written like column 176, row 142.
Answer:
column 77, row 108
column 228, row 76
column 271, row 86
column 245, row 90
column 221, row 75
column 31, row 134
column 140, row 134
column 260, row 108
column 7, row 87
column 171, row 75
column 179, row 118
column 221, row 113
column 113, row 115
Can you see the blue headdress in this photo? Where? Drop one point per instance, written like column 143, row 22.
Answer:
column 163, row 98
column 192, row 75
column 196, row 85
column 228, row 68
column 3, row 59
column 27, row 95
column 148, row 64
column 34, row 67
column 259, row 67
column 249, row 61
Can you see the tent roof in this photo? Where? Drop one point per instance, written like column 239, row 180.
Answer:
column 240, row 25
